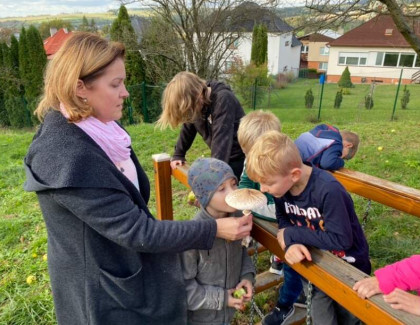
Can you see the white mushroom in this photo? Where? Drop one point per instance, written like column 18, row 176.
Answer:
column 246, row 199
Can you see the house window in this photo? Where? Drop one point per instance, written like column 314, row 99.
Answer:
column 406, row 60
column 352, row 58
column 379, row 58
column 323, row 66
column 391, row 59
column 324, row 50
column 304, row 49
column 232, row 43
column 388, row 31
column 417, row 61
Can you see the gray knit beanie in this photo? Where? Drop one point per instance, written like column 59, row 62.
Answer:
column 206, row 175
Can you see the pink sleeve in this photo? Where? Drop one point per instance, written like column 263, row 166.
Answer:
column 404, row 275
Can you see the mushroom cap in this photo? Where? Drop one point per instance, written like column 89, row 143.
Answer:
column 246, row 199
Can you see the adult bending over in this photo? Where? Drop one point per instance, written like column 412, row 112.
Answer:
column 109, row 260
column 209, row 108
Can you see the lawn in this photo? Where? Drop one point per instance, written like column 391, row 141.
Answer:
column 391, row 234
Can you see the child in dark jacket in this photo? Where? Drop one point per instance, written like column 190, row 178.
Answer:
column 312, row 208
column 212, row 276
column 326, row 147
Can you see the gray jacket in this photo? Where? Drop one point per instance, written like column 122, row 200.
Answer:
column 110, row 261
column 210, row 273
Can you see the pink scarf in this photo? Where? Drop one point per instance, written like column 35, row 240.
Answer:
column 109, row 136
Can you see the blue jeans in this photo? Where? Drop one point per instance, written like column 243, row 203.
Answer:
column 291, row 288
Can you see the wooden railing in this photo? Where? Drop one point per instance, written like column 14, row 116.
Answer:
column 328, row 272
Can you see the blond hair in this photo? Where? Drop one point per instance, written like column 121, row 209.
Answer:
column 183, row 100
column 84, row 56
column 352, row 138
column 272, row 154
column 255, row 124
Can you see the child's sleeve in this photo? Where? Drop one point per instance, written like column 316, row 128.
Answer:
column 200, row 296
column 331, row 157
column 337, row 233
column 248, row 269
column 185, row 140
column 246, row 182
column 404, row 275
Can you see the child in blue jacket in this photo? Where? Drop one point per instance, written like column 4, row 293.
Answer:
column 326, row 147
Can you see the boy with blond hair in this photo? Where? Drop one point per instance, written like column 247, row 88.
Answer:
column 251, row 127
column 312, row 208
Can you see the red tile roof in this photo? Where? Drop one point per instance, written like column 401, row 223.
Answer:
column 315, row 37
column 377, row 32
column 53, row 43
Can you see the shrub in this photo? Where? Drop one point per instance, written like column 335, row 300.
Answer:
column 368, row 101
column 345, row 91
column 309, row 99
column 338, row 98
column 405, row 98
column 345, row 79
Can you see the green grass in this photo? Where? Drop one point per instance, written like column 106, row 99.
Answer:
column 391, row 234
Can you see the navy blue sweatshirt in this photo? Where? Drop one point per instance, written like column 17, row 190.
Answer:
column 322, row 147
column 323, row 216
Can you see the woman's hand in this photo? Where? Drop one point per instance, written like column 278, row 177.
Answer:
column 176, row 163
column 402, row 300
column 368, row 287
column 297, row 253
column 234, row 228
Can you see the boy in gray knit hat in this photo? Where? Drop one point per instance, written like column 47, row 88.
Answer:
column 212, row 276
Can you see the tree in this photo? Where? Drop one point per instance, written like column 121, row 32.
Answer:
column 405, row 98
column 206, row 29
column 45, row 27
column 345, row 79
column 338, row 98
column 309, row 98
column 327, row 13
column 4, row 119
column 368, row 101
column 259, row 53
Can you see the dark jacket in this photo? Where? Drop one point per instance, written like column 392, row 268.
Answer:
column 209, row 274
column 322, row 147
column 109, row 260
column 218, row 126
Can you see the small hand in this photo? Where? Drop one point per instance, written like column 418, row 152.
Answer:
column 176, row 163
column 368, row 287
column 247, row 285
column 297, row 253
column 402, row 300
column 237, row 303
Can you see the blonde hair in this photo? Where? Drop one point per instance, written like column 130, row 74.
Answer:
column 352, row 138
column 272, row 154
column 255, row 124
column 183, row 100
column 84, row 56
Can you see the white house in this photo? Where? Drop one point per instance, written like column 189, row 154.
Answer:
column 374, row 52
column 283, row 47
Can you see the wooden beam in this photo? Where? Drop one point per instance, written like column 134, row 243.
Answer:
column 336, row 278
column 181, row 174
column 163, row 186
column 400, row 197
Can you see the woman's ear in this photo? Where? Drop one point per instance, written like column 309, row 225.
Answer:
column 81, row 89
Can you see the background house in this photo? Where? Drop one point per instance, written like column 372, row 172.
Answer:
column 283, row 46
column 314, row 51
column 375, row 51
column 53, row 43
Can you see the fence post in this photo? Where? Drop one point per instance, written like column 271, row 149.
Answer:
column 163, row 186
column 396, row 95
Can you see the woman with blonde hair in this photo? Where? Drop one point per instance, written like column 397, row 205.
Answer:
column 110, row 261
column 208, row 108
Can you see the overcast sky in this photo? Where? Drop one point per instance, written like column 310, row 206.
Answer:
column 21, row 8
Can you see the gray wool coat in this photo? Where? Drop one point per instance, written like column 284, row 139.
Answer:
column 109, row 260
column 209, row 274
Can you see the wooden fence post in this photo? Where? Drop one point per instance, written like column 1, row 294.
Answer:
column 163, row 186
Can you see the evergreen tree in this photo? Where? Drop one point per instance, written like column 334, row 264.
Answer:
column 92, row 26
column 122, row 31
column 37, row 63
column 84, row 26
column 259, row 44
column 405, row 98
column 345, row 79
column 338, row 98
column 4, row 118
column 309, row 98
